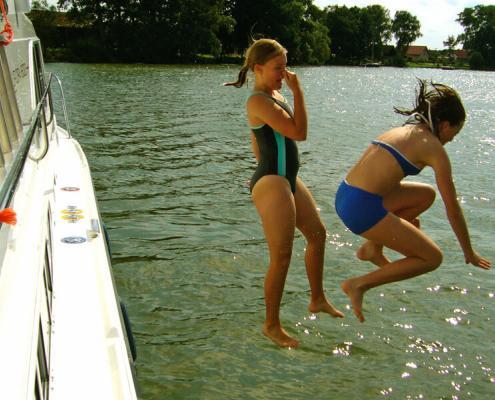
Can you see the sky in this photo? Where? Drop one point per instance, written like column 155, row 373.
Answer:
column 437, row 17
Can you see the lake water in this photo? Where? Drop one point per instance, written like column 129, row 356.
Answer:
column 170, row 156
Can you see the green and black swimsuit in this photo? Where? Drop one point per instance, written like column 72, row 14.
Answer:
column 278, row 154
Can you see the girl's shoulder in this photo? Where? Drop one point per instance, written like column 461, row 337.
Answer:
column 261, row 99
column 258, row 101
column 419, row 144
column 414, row 136
column 429, row 149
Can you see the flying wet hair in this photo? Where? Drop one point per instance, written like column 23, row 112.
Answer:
column 435, row 103
column 260, row 52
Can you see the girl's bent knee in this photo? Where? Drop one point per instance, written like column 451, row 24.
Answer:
column 435, row 259
column 431, row 195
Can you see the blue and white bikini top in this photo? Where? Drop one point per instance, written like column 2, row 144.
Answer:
column 407, row 166
column 417, row 117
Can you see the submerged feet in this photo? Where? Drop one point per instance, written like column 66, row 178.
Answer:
column 355, row 294
column 279, row 336
column 372, row 252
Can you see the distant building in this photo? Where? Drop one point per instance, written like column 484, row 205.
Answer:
column 461, row 55
column 417, row 53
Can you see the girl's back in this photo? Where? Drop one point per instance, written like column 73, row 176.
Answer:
column 391, row 156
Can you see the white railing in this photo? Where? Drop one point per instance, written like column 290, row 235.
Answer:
column 37, row 130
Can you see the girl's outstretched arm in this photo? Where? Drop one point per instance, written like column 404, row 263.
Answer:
column 443, row 174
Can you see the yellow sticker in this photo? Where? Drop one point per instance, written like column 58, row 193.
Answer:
column 72, row 217
column 76, row 211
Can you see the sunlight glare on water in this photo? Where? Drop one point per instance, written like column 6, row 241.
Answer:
column 170, row 156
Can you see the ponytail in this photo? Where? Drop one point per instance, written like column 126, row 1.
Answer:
column 241, row 78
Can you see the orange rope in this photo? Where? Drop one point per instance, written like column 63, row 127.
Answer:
column 7, row 27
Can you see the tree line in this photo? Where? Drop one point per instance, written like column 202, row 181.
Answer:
column 174, row 31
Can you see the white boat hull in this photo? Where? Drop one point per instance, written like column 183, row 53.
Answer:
column 62, row 334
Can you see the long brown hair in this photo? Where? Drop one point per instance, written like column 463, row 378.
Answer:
column 260, row 52
column 436, row 103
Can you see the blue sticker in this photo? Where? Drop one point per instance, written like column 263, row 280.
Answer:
column 73, row 239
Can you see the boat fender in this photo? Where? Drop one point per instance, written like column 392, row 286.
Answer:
column 128, row 329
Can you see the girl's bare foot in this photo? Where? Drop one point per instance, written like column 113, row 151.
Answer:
column 323, row 305
column 279, row 336
column 355, row 295
column 372, row 252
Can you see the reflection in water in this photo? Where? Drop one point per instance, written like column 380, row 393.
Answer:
column 171, row 160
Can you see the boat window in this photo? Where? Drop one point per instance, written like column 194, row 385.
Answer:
column 48, row 251
column 47, row 279
column 42, row 377
column 48, row 267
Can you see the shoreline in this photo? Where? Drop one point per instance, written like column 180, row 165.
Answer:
column 61, row 56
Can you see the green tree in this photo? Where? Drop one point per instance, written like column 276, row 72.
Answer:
column 257, row 18
column 320, row 39
column 198, row 25
column 406, row 29
column 376, row 28
column 304, row 35
column 150, row 30
column 358, row 33
column 42, row 5
column 44, row 19
column 315, row 44
column 476, row 61
column 479, row 31
column 344, row 29
column 451, row 43
column 295, row 23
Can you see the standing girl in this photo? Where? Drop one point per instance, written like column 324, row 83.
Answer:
column 281, row 198
column 373, row 202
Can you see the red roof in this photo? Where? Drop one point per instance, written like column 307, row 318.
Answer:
column 461, row 54
column 416, row 50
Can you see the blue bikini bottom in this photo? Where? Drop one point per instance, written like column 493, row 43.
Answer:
column 358, row 209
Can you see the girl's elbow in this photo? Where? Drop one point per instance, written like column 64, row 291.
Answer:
column 301, row 136
column 295, row 133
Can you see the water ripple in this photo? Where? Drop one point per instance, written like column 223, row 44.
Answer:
column 171, row 160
